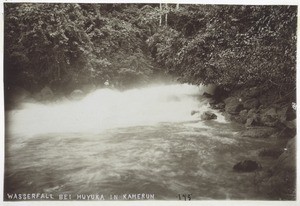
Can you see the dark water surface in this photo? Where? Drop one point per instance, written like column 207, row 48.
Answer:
column 165, row 160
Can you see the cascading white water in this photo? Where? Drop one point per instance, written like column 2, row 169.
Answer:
column 107, row 108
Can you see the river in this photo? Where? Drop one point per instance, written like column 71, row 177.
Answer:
column 131, row 142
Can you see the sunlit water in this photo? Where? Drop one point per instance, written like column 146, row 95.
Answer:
column 131, row 142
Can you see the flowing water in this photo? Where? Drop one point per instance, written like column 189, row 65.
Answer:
column 131, row 142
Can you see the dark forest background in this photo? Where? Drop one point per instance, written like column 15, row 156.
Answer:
column 65, row 46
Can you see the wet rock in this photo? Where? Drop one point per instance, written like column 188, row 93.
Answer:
column 228, row 117
column 286, row 113
column 251, row 103
column 258, row 132
column 269, row 117
column 252, row 113
column 271, row 152
column 194, row 112
column 290, row 113
column 208, row 116
column 219, row 106
column 207, row 95
column 233, row 105
column 242, row 117
column 250, row 122
column 252, row 118
column 246, row 166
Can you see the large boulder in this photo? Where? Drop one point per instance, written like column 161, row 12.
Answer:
column 251, row 103
column 246, row 166
column 233, row 105
column 259, row 132
column 208, row 116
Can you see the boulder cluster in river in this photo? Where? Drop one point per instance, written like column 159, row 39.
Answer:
column 269, row 115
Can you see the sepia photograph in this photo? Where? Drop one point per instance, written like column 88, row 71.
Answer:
column 149, row 102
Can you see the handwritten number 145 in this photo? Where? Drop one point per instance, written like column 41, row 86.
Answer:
column 185, row 197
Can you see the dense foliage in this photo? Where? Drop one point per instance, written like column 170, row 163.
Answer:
column 230, row 45
column 75, row 44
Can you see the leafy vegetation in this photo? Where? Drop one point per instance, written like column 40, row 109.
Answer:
column 75, row 44
column 230, row 45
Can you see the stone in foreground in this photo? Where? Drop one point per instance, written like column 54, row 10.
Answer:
column 246, row 166
column 208, row 116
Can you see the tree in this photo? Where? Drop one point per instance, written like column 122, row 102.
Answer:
column 229, row 45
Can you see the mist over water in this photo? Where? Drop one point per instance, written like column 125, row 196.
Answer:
column 136, row 141
column 107, row 108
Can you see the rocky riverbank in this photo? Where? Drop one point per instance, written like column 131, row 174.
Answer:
column 265, row 114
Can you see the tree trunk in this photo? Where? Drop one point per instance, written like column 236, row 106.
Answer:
column 166, row 16
column 160, row 19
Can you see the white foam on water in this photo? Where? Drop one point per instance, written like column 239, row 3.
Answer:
column 107, row 108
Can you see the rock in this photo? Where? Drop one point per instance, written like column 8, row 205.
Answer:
column 228, row 117
column 269, row 117
column 272, row 152
column 194, row 112
column 258, row 132
column 290, row 124
column 246, row 166
column 250, row 122
column 276, row 114
column 290, row 113
column 251, row 103
column 218, row 106
column 281, row 181
column 76, row 94
column 242, row 118
column 286, row 113
column 207, row 95
column 233, row 105
column 208, row 116
column 46, row 94
column 253, row 113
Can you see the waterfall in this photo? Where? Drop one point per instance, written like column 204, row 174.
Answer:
column 107, row 108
